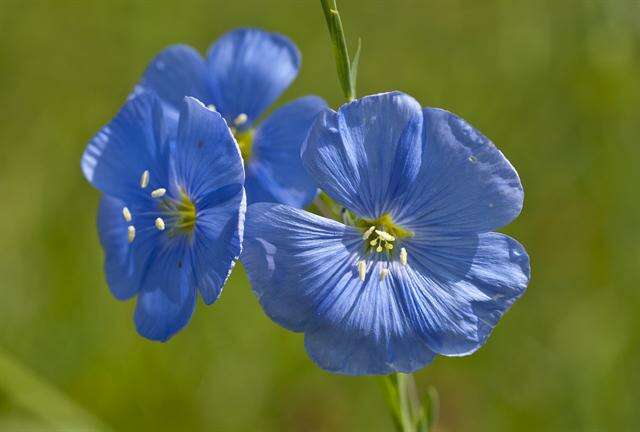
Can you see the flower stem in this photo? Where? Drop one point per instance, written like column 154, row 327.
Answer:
column 347, row 69
column 408, row 414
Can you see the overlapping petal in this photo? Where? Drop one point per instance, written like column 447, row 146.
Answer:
column 249, row 70
column 206, row 156
column 465, row 183
column 368, row 152
column 275, row 172
column 176, row 72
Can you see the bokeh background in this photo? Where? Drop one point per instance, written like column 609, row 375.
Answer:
column 553, row 83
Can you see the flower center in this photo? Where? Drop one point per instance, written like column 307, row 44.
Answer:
column 243, row 136
column 380, row 238
column 179, row 215
column 245, row 142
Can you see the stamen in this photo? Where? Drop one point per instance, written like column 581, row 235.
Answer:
column 144, row 180
column 379, row 248
column 131, row 233
column 403, row 256
column 157, row 193
column 126, row 214
column 373, row 242
column 241, row 119
column 160, row 224
column 362, row 269
column 384, row 273
column 385, row 235
column 389, row 246
column 368, row 233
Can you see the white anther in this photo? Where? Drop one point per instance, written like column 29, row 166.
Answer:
column 373, row 242
column 211, row 107
column 241, row 119
column 126, row 214
column 385, row 235
column 403, row 256
column 389, row 246
column 160, row 224
column 379, row 248
column 362, row 269
column 131, row 233
column 144, row 180
column 384, row 273
column 157, row 193
column 368, row 232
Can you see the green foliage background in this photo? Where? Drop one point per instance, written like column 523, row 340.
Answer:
column 553, row 83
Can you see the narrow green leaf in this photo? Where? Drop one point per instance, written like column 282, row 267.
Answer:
column 354, row 68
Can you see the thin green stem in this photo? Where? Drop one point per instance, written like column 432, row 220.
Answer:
column 405, row 403
column 407, row 411
column 347, row 70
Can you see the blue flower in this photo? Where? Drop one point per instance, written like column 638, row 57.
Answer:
column 245, row 71
column 416, row 270
column 171, row 218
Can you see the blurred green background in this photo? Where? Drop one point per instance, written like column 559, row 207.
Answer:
column 553, row 83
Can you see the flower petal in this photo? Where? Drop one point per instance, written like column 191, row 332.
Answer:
column 209, row 168
column 465, row 183
column 303, row 268
column 207, row 157
column 457, row 288
column 275, row 171
column 368, row 152
column 121, row 271
column 217, row 241
column 176, row 72
column 167, row 299
column 133, row 142
column 250, row 68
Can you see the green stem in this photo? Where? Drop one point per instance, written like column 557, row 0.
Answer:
column 347, row 70
column 405, row 408
column 407, row 412
column 41, row 399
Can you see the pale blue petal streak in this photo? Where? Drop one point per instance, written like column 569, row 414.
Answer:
column 367, row 153
column 250, row 68
column 275, row 172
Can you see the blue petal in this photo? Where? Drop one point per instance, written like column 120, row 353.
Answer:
column 367, row 153
column 457, row 288
column 167, row 299
column 123, row 276
column 207, row 157
column 275, row 171
column 218, row 241
column 176, row 72
column 134, row 141
column 465, row 183
column 303, row 268
column 250, row 69
column 209, row 169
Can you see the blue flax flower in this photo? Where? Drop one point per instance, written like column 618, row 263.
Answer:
column 416, row 270
column 245, row 71
column 172, row 215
